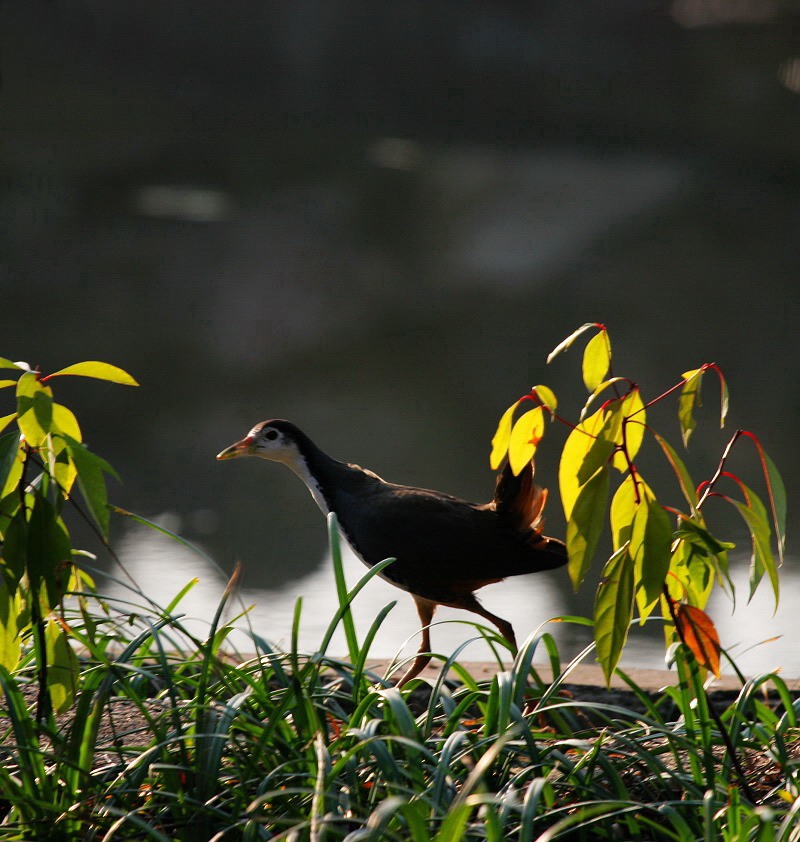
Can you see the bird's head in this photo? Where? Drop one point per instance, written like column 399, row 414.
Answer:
column 274, row 440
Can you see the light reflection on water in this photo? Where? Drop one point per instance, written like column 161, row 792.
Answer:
column 759, row 639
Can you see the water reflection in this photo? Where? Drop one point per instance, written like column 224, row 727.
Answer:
column 758, row 639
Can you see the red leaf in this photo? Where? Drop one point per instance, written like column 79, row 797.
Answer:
column 697, row 631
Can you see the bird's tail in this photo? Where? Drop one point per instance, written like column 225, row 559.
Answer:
column 520, row 503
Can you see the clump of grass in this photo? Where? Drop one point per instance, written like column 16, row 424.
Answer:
column 173, row 738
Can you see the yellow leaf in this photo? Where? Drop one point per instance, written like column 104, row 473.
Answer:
column 501, row 437
column 35, row 408
column 596, row 360
column 525, row 437
column 547, row 397
column 575, row 449
column 634, row 416
column 98, row 370
column 64, row 421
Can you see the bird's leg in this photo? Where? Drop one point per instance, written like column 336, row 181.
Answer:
column 470, row 603
column 425, row 609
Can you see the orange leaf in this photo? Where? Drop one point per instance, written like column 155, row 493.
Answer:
column 697, row 631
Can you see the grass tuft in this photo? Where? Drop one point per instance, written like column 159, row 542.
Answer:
column 173, row 738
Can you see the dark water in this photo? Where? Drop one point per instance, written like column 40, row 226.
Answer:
column 250, row 249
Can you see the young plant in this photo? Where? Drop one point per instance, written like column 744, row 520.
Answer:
column 41, row 459
column 663, row 556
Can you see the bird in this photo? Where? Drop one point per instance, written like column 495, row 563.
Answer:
column 445, row 548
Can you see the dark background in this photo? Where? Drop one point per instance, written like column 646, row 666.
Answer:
column 378, row 219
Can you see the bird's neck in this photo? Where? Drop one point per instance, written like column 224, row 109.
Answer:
column 324, row 476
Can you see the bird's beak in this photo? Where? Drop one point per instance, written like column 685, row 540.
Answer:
column 241, row 448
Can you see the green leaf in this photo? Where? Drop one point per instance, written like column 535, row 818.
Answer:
column 63, row 667
column 15, row 550
column 762, row 560
column 91, row 469
column 35, row 409
column 98, row 370
column 596, row 360
column 4, row 384
column 4, row 363
column 777, row 493
column 10, row 627
column 9, row 451
column 525, row 436
column 603, row 445
column 576, row 447
column 562, row 346
column 613, row 610
column 501, row 437
column 585, row 525
column 684, row 480
column 704, row 555
column 650, row 547
column 49, row 552
column 688, row 401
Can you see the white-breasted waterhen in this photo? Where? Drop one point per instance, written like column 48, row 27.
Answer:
column 446, row 548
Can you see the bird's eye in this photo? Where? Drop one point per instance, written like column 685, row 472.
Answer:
column 271, row 435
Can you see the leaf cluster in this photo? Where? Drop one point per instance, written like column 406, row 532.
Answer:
column 663, row 555
column 42, row 459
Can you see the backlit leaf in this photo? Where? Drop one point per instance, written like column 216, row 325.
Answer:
column 35, row 409
column 724, row 398
column 586, row 525
column 599, row 389
column 6, row 420
column 613, row 610
column 650, row 547
column 604, row 443
column 63, row 667
column 10, row 639
column 699, row 633
column 596, row 360
column 562, row 346
column 576, row 447
column 4, row 384
column 64, row 421
column 634, row 415
column 4, row 363
column 501, row 437
column 525, row 436
column 64, row 470
column 688, row 401
column 547, row 396
column 623, row 510
column 9, row 453
column 98, row 370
